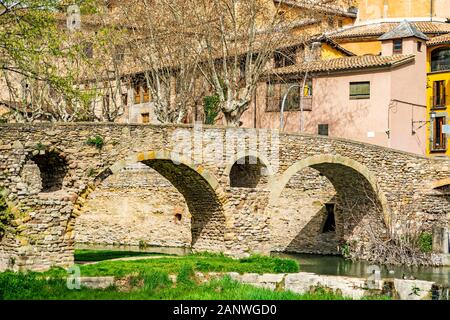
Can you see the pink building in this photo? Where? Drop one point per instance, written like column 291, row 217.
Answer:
column 374, row 99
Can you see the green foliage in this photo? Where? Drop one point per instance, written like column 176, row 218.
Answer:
column 5, row 215
column 199, row 262
column 157, row 286
column 425, row 242
column 185, row 275
column 415, row 291
column 211, row 109
column 345, row 250
column 96, row 141
column 40, row 146
column 91, row 172
column 155, row 280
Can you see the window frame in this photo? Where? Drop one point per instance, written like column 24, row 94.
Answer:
column 435, row 67
column 360, row 96
column 321, row 127
column 442, row 146
column 439, row 94
column 145, row 116
column 397, row 50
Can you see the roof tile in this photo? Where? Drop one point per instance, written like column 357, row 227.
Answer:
column 346, row 63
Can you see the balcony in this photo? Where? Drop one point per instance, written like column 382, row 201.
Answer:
column 274, row 105
column 439, row 102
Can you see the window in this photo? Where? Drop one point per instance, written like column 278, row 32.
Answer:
column 145, row 90
column 141, row 93
column 439, row 94
column 439, row 142
column 285, row 58
column 440, row 59
column 137, row 93
column 359, row 90
column 419, row 46
column 398, row 46
column 323, row 130
column 145, row 117
column 330, row 22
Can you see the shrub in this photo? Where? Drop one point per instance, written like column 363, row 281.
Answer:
column 96, row 141
column 211, row 108
column 425, row 242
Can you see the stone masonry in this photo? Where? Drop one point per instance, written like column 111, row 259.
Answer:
column 296, row 188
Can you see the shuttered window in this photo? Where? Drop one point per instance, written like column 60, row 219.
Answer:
column 359, row 90
column 439, row 94
column 439, row 137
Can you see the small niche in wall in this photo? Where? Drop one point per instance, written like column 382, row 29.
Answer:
column 330, row 222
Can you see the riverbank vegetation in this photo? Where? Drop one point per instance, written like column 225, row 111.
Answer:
column 151, row 276
column 205, row 262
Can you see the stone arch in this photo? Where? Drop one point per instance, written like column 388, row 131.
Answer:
column 440, row 183
column 249, row 153
column 200, row 188
column 248, row 169
column 45, row 170
column 280, row 183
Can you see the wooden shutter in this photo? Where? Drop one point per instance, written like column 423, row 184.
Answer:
column 137, row 94
column 146, row 94
column 360, row 90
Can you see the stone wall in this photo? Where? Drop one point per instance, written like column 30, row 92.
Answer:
column 135, row 207
column 237, row 221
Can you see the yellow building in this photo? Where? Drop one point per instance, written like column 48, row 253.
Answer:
column 438, row 90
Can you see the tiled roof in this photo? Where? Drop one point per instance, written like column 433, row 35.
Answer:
column 345, row 64
column 404, row 30
column 378, row 29
column 436, row 41
column 318, row 7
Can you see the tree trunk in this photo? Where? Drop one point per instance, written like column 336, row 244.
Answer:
column 232, row 111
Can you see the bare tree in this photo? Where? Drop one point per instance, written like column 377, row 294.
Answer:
column 377, row 242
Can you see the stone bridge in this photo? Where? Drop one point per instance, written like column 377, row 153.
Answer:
column 246, row 190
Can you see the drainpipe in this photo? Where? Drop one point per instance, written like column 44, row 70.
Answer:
column 431, row 10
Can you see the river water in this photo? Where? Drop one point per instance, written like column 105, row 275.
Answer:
column 338, row 266
column 318, row 264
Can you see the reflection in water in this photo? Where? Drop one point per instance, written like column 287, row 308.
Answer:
column 338, row 266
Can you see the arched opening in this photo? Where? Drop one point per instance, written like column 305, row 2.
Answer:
column 320, row 205
column 156, row 202
column 248, row 172
column 439, row 209
column 44, row 172
column 440, row 59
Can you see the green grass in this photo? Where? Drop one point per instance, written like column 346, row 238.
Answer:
column 156, row 286
column 148, row 279
column 101, row 255
column 198, row 262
